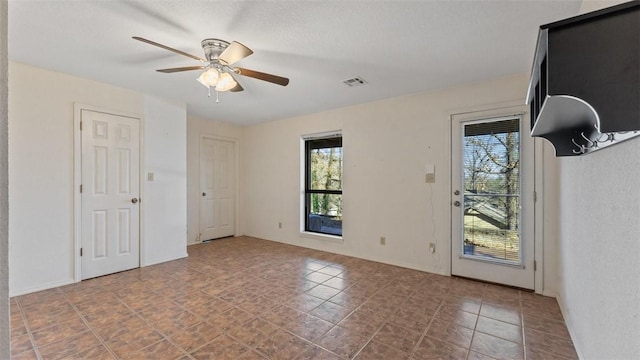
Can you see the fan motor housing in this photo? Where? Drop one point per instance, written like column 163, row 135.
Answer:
column 213, row 48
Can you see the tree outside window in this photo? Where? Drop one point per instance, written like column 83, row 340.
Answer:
column 492, row 188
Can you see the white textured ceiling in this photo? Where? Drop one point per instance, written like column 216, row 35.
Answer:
column 398, row 47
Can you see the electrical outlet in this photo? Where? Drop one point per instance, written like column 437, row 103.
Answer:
column 149, row 176
column 383, row 240
column 432, row 248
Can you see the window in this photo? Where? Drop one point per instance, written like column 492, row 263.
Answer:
column 323, row 185
column 491, row 154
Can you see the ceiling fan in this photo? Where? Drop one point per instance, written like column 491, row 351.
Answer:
column 218, row 73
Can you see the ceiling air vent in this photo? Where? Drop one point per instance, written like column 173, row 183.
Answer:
column 354, row 81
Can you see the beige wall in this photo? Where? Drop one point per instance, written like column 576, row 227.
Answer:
column 402, row 134
column 196, row 128
column 386, row 147
column 4, row 208
column 41, row 173
column 599, row 288
column 165, row 198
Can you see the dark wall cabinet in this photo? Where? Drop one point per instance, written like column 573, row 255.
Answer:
column 584, row 92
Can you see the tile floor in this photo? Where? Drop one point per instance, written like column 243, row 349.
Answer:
column 246, row 298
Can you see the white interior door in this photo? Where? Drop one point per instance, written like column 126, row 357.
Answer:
column 217, row 187
column 110, row 190
column 492, row 199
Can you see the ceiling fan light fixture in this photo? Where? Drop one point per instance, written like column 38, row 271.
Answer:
column 225, row 82
column 220, row 55
column 209, row 77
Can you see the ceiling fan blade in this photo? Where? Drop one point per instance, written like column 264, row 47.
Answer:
column 234, row 53
column 168, row 48
column 185, row 68
column 262, row 76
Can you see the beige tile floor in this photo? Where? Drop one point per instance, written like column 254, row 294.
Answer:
column 246, row 298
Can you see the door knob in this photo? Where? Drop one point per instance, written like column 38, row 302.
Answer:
column 204, row 194
column 134, row 200
column 457, row 192
column 456, row 203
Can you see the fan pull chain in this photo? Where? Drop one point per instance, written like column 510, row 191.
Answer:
column 217, row 95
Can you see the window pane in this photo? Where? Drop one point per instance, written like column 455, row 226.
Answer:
column 492, row 189
column 326, row 205
column 325, row 214
column 492, row 157
column 326, row 168
column 487, row 228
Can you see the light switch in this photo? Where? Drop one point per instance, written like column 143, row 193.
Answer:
column 149, row 176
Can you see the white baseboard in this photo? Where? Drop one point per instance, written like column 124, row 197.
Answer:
column 159, row 261
column 549, row 293
column 51, row 285
column 346, row 253
column 567, row 320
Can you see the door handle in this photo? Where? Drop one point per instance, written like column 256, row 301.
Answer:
column 134, row 200
column 204, row 194
column 456, row 203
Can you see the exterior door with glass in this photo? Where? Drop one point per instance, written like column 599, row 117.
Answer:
column 492, row 199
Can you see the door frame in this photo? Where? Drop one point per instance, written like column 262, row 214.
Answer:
column 77, row 181
column 497, row 110
column 538, row 217
column 236, row 174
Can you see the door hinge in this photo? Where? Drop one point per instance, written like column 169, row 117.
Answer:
column 535, row 265
column 80, row 251
column 535, row 196
column 80, row 189
column 80, row 125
